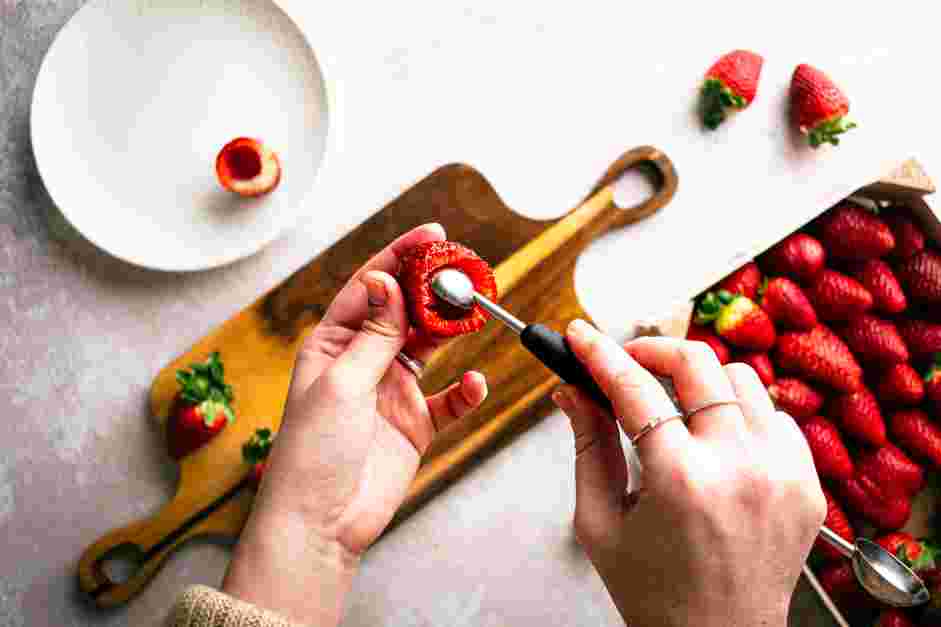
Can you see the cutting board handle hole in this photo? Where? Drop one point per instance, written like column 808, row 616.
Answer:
column 120, row 563
column 637, row 185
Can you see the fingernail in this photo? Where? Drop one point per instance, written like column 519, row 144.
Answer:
column 578, row 328
column 561, row 399
column 376, row 291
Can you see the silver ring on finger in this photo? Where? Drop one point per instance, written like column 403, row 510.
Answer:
column 652, row 426
column 703, row 406
column 415, row 366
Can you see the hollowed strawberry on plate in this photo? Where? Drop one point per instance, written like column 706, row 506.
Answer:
column 429, row 313
column 248, row 167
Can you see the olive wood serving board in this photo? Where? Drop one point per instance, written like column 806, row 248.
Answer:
column 258, row 346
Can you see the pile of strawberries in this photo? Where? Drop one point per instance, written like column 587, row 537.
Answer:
column 842, row 322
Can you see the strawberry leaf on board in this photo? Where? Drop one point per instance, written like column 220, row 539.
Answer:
column 257, row 448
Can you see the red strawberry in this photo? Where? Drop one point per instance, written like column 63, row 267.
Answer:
column 840, row 582
column 859, row 415
column 850, row 231
column 761, row 363
column 787, row 304
column 893, row 617
column 917, row 555
column 933, row 382
column 745, row 281
column 428, row 312
column 699, row 333
column 796, row 398
column 819, row 355
column 818, row 107
column 921, row 276
column 909, row 238
column 201, row 408
column 876, row 276
column 255, row 452
column 731, row 83
column 738, row 320
column 837, row 521
column 922, row 337
column 798, row 256
column 874, row 340
column 886, row 507
column 836, row 296
column 830, row 455
column 902, row 385
column 889, row 467
column 248, row 167
column 916, row 433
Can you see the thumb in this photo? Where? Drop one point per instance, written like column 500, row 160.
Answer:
column 381, row 336
column 601, row 471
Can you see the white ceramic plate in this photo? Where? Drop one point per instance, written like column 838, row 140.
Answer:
column 133, row 102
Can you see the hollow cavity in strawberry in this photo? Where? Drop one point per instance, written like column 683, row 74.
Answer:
column 247, row 167
column 430, row 314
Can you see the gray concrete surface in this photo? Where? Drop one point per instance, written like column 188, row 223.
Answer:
column 81, row 335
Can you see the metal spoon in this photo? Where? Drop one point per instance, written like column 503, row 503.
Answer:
column 879, row 572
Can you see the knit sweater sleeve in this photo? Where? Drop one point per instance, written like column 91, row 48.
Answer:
column 201, row 606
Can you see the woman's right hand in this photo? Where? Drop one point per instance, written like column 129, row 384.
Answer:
column 730, row 504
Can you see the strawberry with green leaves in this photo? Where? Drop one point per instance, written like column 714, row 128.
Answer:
column 818, row 106
column 730, row 84
column 202, row 408
column 737, row 319
column 255, row 452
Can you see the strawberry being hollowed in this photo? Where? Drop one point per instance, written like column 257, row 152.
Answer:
column 922, row 337
column 761, row 363
column 836, row 296
column 920, row 274
column 787, row 304
column 859, row 414
column 819, row 355
column 798, row 256
column 933, row 382
column 745, row 281
column 852, row 232
column 731, row 83
column 831, row 458
column 874, row 340
column 909, row 238
column 247, row 167
column 796, row 398
column 877, row 277
column 893, row 617
column 917, row 555
column 738, row 320
column 699, row 333
column 201, row 408
column 886, row 507
column 917, row 434
column 255, row 452
column 818, row 106
column 901, row 385
column 431, row 314
column 837, row 521
column 888, row 466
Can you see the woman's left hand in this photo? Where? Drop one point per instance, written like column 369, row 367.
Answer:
column 355, row 427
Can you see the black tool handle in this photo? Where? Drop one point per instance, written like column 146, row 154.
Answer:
column 553, row 350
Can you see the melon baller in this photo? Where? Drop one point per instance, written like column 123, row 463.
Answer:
column 879, row 572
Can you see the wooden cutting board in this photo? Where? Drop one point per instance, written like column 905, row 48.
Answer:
column 534, row 263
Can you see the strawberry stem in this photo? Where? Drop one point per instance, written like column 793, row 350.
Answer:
column 715, row 98
column 828, row 131
column 257, row 448
column 708, row 310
